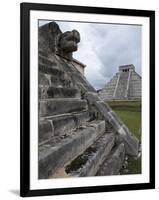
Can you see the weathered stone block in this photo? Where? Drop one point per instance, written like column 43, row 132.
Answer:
column 66, row 123
column 45, row 130
column 44, row 79
column 46, row 61
column 113, row 163
column 130, row 141
column 48, row 69
column 52, row 107
column 54, row 156
column 87, row 164
column 58, row 92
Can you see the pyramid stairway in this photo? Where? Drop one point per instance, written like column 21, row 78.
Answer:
column 108, row 90
column 125, row 85
column 121, row 90
column 72, row 138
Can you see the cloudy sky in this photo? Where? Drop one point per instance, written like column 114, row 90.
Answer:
column 104, row 47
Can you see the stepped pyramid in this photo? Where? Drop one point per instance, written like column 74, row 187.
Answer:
column 126, row 84
column 79, row 134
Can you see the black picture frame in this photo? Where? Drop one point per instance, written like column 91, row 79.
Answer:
column 25, row 9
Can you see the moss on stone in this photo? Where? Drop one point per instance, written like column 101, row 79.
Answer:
column 80, row 160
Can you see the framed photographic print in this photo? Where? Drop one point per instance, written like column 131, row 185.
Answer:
column 87, row 99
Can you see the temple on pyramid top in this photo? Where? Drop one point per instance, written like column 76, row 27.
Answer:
column 125, row 85
column 126, row 68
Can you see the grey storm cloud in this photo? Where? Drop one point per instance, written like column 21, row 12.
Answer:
column 104, row 47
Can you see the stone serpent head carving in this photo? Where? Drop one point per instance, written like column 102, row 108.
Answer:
column 68, row 43
column 52, row 40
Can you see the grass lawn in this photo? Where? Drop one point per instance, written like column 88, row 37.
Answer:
column 132, row 119
column 130, row 113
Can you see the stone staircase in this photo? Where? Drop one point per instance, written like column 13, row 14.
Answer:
column 108, row 91
column 121, row 91
column 69, row 130
column 78, row 132
column 135, row 86
column 66, row 129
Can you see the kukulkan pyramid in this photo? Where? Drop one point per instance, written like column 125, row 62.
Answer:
column 79, row 134
column 125, row 84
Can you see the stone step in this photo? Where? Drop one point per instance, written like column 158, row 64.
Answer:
column 130, row 141
column 46, row 91
column 122, row 86
column 42, row 52
column 46, row 61
column 108, row 91
column 88, row 163
column 133, row 92
column 59, row 92
column 113, row 163
column 113, row 80
column 124, row 76
column 45, row 131
column 61, row 124
column 57, row 153
column 50, row 107
column 112, row 83
column 49, row 69
column 69, row 74
column 56, row 76
column 135, row 86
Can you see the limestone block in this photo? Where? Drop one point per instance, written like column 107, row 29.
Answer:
column 47, row 69
column 81, row 118
column 66, row 123
column 58, row 92
column 44, row 79
column 87, row 164
column 108, row 91
column 54, row 156
column 130, row 141
column 113, row 163
column 48, row 36
column 45, row 130
column 46, row 61
column 50, row 107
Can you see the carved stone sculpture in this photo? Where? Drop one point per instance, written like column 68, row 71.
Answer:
column 67, row 43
